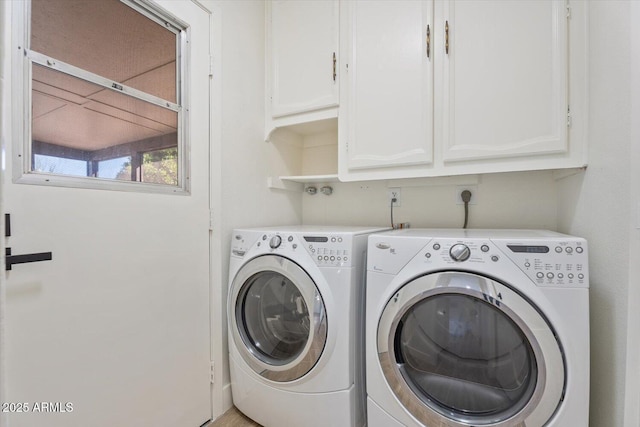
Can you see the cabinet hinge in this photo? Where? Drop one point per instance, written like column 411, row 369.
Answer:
column 212, row 372
column 568, row 116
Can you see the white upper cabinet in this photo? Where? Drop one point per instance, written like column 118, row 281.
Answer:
column 451, row 87
column 302, row 61
column 504, row 78
column 389, row 113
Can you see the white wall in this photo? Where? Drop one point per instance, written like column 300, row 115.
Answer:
column 632, row 395
column 596, row 205
column 241, row 159
column 507, row 200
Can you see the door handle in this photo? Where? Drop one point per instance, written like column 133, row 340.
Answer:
column 22, row 259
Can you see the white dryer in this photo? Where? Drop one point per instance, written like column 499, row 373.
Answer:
column 477, row 328
column 296, row 318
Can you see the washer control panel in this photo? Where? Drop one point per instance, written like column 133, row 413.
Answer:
column 328, row 250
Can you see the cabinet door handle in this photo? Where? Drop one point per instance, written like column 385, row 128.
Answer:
column 428, row 41
column 446, row 37
column 334, row 66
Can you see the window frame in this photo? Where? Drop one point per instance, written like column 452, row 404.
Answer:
column 21, row 95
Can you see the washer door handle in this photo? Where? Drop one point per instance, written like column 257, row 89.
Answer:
column 383, row 245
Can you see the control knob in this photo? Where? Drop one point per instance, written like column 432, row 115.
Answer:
column 459, row 252
column 275, row 242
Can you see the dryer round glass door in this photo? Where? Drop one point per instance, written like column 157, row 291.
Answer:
column 278, row 318
column 461, row 349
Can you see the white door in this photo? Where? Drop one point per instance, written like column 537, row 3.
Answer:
column 389, row 88
column 114, row 330
column 505, row 78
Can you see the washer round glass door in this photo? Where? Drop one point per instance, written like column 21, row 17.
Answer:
column 278, row 318
column 459, row 349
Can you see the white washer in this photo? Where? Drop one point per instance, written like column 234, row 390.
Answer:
column 477, row 328
column 296, row 313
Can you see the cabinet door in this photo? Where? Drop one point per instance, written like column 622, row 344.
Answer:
column 304, row 43
column 505, row 78
column 388, row 120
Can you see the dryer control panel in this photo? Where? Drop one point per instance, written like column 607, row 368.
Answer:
column 549, row 259
column 549, row 263
column 554, row 263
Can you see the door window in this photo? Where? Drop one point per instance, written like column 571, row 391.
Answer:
column 105, row 83
column 273, row 318
column 465, row 358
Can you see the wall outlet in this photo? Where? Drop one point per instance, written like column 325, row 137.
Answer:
column 394, row 193
column 474, row 194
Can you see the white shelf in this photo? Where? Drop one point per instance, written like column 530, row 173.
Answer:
column 305, row 179
column 305, row 124
column 296, row 183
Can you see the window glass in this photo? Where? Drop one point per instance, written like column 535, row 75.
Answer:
column 59, row 165
column 73, row 113
column 463, row 356
column 118, row 168
column 107, row 38
column 160, row 166
column 104, row 91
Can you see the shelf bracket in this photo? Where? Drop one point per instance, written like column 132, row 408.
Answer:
column 275, row 183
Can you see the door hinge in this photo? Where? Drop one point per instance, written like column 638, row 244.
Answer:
column 212, row 375
column 210, row 65
column 211, row 220
column 334, row 67
column 568, row 116
column 568, row 12
column 428, row 41
column 446, row 37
